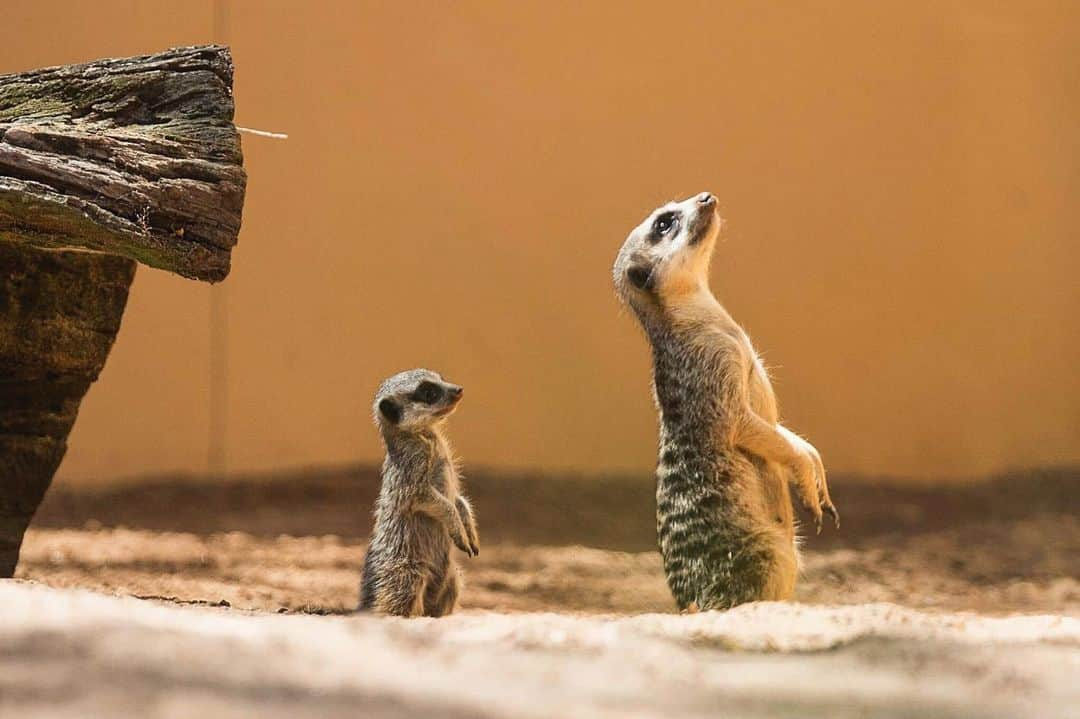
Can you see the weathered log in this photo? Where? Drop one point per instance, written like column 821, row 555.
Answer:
column 59, row 313
column 137, row 157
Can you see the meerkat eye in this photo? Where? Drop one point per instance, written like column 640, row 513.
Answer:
column 428, row 393
column 664, row 224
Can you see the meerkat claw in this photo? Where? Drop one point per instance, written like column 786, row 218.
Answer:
column 830, row 510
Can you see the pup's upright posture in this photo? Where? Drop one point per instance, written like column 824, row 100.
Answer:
column 724, row 514
column 408, row 570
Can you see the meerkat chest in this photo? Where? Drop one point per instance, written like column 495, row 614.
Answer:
column 444, row 477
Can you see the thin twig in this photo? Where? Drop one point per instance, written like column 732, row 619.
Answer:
column 264, row 133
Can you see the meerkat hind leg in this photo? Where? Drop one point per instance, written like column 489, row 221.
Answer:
column 446, row 601
column 402, row 594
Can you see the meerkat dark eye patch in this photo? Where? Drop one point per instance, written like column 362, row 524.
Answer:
column 640, row 277
column 428, row 393
column 663, row 226
column 391, row 410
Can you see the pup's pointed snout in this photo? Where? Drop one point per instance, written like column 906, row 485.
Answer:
column 706, row 198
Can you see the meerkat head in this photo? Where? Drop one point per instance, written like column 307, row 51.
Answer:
column 413, row 400
column 668, row 254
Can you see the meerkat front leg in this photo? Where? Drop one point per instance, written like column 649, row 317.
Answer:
column 436, row 505
column 778, row 444
column 469, row 520
column 773, row 442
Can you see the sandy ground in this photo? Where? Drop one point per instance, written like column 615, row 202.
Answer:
column 320, row 574
column 930, row 602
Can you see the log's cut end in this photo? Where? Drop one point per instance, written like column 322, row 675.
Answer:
column 135, row 157
column 59, row 314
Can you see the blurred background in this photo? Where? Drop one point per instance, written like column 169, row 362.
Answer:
column 899, row 181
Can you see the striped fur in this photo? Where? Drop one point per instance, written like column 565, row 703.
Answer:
column 721, row 541
column 725, row 522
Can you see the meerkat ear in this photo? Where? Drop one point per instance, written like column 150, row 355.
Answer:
column 391, row 410
column 640, row 277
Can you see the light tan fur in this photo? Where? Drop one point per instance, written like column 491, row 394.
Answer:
column 724, row 515
column 751, row 404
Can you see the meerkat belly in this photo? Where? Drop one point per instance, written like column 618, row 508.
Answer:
column 712, row 558
column 426, row 539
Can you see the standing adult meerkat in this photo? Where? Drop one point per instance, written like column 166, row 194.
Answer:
column 724, row 514
column 408, row 570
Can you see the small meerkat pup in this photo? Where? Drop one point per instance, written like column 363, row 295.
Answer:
column 408, row 570
column 724, row 516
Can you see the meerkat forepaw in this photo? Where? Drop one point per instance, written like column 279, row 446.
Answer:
column 814, row 487
column 830, row 509
column 468, row 525
column 460, row 543
column 808, row 489
column 825, row 501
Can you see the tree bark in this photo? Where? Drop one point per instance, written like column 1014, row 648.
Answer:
column 136, row 159
column 59, row 313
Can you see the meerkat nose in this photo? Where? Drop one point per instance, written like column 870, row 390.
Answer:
column 456, row 392
column 706, row 198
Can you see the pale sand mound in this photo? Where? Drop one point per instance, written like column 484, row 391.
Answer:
column 69, row 653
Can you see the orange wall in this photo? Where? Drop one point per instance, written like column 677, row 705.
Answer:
column 899, row 180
